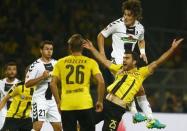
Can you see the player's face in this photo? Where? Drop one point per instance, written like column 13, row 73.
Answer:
column 47, row 51
column 128, row 62
column 11, row 71
column 129, row 18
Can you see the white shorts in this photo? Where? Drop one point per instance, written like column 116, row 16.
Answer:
column 45, row 110
column 2, row 120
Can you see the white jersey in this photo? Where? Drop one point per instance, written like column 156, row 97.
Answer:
column 42, row 89
column 123, row 37
column 4, row 88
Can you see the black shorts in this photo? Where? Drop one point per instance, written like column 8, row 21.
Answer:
column 84, row 117
column 112, row 115
column 17, row 124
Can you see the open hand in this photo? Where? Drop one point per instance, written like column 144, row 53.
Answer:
column 144, row 57
column 176, row 43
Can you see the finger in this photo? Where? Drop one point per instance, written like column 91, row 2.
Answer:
column 180, row 40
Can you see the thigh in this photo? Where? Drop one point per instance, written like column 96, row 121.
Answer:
column 53, row 114
column 39, row 110
column 69, row 120
column 141, row 91
column 10, row 124
column 26, row 124
column 112, row 116
column 86, row 120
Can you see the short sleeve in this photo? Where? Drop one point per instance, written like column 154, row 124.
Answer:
column 110, row 29
column 56, row 71
column 32, row 72
column 141, row 34
column 145, row 71
column 95, row 68
column 115, row 68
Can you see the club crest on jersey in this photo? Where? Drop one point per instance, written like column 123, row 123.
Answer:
column 22, row 97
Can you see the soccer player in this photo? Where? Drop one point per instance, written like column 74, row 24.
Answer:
column 18, row 115
column 5, row 85
column 75, row 72
column 44, row 107
column 126, row 32
column 128, row 81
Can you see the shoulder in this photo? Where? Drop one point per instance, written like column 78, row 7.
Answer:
column 139, row 26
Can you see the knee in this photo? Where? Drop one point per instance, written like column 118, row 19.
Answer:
column 141, row 92
column 37, row 126
column 57, row 126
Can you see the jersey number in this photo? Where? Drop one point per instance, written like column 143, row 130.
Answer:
column 79, row 75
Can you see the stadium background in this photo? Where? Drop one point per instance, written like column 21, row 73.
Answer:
column 25, row 23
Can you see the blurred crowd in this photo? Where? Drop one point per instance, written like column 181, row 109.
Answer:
column 25, row 23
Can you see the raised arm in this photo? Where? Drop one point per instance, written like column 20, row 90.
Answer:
column 165, row 56
column 141, row 45
column 101, row 42
column 88, row 45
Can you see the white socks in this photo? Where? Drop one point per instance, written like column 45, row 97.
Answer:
column 132, row 108
column 145, row 106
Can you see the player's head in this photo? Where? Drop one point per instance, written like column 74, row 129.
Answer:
column 11, row 70
column 46, row 48
column 132, row 11
column 75, row 43
column 130, row 60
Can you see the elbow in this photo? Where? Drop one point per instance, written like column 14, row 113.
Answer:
column 27, row 85
column 100, row 36
column 101, row 83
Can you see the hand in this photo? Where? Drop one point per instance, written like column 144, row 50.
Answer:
column 144, row 57
column 46, row 74
column 176, row 43
column 99, row 106
column 88, row 45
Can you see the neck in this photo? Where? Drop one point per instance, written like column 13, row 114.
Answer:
column 10, row 80
column 76, row 53
column 46, row 60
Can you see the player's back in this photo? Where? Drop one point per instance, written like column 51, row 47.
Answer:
column 75, row 74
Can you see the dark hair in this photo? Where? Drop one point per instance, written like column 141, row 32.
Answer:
column 75, row 42
column 134, row 6
column 135, row 55
column 46, row 42
column 11, row 63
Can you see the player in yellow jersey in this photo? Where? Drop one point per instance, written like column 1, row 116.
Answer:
column 128, row 81
column 18, row 115
column 75, row 72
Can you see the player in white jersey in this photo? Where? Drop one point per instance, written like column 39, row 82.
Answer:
column 5, row 84
column 126, row 33
column 44, row 107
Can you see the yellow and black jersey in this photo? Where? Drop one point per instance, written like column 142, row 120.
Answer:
column 127, row 83
column 75, row 74
column 21, row 103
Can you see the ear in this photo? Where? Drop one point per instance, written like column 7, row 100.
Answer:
column 40, row 51
column 134, row 62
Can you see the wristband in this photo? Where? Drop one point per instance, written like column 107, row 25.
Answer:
column 142, row 51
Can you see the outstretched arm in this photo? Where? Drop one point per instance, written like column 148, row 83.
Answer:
column 88, row 45
column 100, row 42
column 165, row 56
